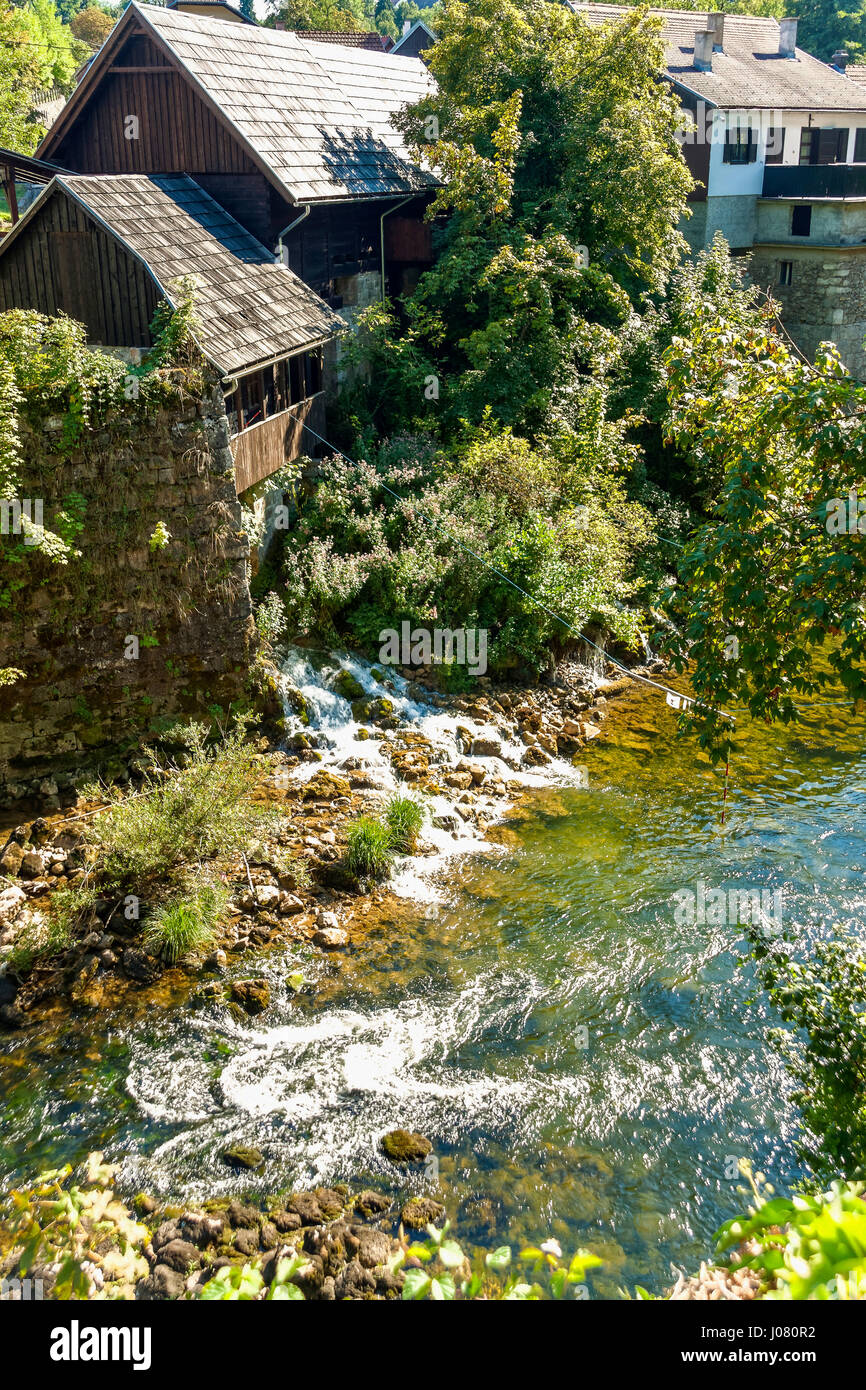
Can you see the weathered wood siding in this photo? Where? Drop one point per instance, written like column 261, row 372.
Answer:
column 65, row 263
column 264, row 448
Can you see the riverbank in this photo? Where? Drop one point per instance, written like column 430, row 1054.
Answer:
column 583, row 1062
column 467, row 758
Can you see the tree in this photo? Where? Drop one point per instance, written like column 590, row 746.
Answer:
column 538, row 123
column 825, row 27
column 58, row 52
column 330, row 16
column 20, row 76
column 92, row 26
column 773, row 603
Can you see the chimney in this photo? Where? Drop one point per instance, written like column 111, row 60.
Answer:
column 839, row 59
column 280, row 24
column 704, row 50
column 716, row 22
column 407, row 25
column 787, row 38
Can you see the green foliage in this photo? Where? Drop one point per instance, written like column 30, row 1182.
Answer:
column 404, row 818
column 271, row 617
column 771, row 569
column 823, row 1000
column 445, row 1272
column 187, row 810
column 369, row 851
column 78, row 1228
column 709, row 285
column 48, row 370
column 538, row 122
column 803, row 1247
column 554, row 519
column 59, row 53
column 244, row 1283
column 20, row 76
column 187, row 924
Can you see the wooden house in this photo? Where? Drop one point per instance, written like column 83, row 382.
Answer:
column 107, row 249
column 294, row 138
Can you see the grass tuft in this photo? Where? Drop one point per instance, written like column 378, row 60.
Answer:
column 404, row 818
column 187, row 924
column 370, row 853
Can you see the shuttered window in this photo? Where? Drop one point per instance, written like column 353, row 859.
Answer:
column 829, row 146
column 741, row 147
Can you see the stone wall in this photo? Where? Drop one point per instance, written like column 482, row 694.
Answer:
column 826, row 299
column 133, row 633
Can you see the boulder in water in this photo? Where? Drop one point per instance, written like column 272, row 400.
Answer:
column 404, row 1146
column 244, row 1156
column 254, row 996
column 326, row 786
column 420, row 1212
column 346, row 685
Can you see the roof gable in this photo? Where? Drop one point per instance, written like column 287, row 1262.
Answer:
column 250, row 308
column 315, row 117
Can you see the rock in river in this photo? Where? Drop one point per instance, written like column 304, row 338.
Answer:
column 402, row 1146
column 254, row 996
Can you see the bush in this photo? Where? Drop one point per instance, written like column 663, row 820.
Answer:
column 370, row 853
column 186, row 811
column 187, row 924
column 554, row 519
column 803, row 1247
column 404, row 817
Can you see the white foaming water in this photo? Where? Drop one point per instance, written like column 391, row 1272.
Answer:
column 316, row 1093
column 341, row 749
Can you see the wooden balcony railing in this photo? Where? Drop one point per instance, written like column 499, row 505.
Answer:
column 263, row 448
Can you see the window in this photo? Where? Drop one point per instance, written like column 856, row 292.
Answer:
column 860, row 145
column 741, row 147
column 786, row 272
column 829, row 146
column 801, row 220
column 774, row 147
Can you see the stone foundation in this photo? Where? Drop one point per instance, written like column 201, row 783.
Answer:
column 826, row 299
column 133, row 633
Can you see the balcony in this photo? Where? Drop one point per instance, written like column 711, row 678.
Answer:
column 814, row 181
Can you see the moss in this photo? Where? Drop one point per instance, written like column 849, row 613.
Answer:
column 403, row 1146
column 346, row 685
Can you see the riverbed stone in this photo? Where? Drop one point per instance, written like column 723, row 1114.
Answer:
column 11, row 901
column 306, row 1205
column 374, row 1247
column 371, row 1204
column 253, row 996
column 404, row 1146
column 290, row 905
column 247, row 1241
column 325, row 786
column 180, row 1255
column 244, row 1156
column 330, row 938
column 10, row 859
column 419, row 1212
column 162, row 1283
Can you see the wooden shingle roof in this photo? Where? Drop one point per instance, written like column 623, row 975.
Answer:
column 317, row 117
column 350, row 38
column 250, row 309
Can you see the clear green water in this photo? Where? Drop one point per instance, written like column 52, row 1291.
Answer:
column 463, row 1019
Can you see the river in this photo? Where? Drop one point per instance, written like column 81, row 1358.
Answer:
column 585, row 1066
